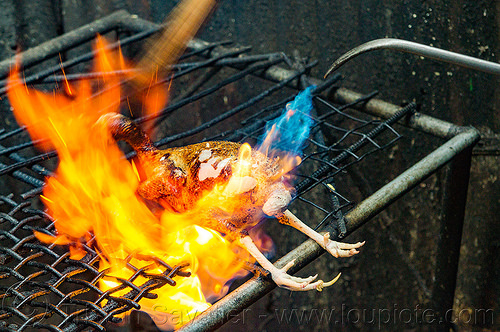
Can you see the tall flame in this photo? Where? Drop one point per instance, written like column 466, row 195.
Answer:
column 93, row 193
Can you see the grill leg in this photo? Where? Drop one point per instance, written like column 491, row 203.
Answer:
column 448, row 254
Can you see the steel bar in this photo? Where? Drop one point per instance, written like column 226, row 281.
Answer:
column 64, row 42
column 427, row 166
column 308, row 251
column 213, row 61
column 77, row 60
column 383, row 109
column 19, row 159
column 30, row 162
column 135, row 24
column 208, row 49
column 25, row 178
column 74, row 41
column 225, row 115
column 450, row 238
column 306, row 183
column 11, row 132
column 418, row 49
column 158, row 117
column 375, row 107
column 218, row 63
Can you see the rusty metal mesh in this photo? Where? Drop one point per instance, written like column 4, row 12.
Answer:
column 222, row 97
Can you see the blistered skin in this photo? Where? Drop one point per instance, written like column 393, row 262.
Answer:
column 178, row 177
column 181, row 178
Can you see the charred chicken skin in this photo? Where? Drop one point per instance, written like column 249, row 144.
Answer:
column 177, row 178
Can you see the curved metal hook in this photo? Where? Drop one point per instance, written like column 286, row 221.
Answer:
column 418, row 49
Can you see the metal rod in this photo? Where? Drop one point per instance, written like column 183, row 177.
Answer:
column 418, row 49
column 78, row 59
column 383, row 109
column 450, row 238
column 22, row 176
column 25, row 178
column 252, row 290
column 322, row 171
column 375, row 107
column 274, row 73
column 226, row 114
column 213, row 61
column 409, row 179
column 97, row 75
column 30, row 162
column 64, row 42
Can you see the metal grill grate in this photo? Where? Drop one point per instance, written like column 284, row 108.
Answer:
column 42, row 287
column 45, row 288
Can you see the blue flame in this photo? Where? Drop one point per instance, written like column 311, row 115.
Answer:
column 288, row 132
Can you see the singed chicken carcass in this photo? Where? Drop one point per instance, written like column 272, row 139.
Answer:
column 178, row 178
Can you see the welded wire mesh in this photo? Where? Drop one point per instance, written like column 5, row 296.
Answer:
column 43, row 287
column 212, row 98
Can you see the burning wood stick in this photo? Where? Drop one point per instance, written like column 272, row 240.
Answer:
column 180, row 27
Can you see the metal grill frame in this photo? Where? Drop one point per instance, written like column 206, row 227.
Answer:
column 456, row 152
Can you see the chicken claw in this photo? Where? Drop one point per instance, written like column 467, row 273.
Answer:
column 284, row 280
column 340, row 249
column 280, row 275
column 337, row 249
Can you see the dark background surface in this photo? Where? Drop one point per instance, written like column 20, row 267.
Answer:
column 377, row 281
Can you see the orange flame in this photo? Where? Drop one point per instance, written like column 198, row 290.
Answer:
column 93, row 193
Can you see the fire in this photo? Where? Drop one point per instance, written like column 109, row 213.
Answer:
column 93, row 194
column 285, row 136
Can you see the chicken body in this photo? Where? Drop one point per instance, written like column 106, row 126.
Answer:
column 177, row 178
column 247, row 184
